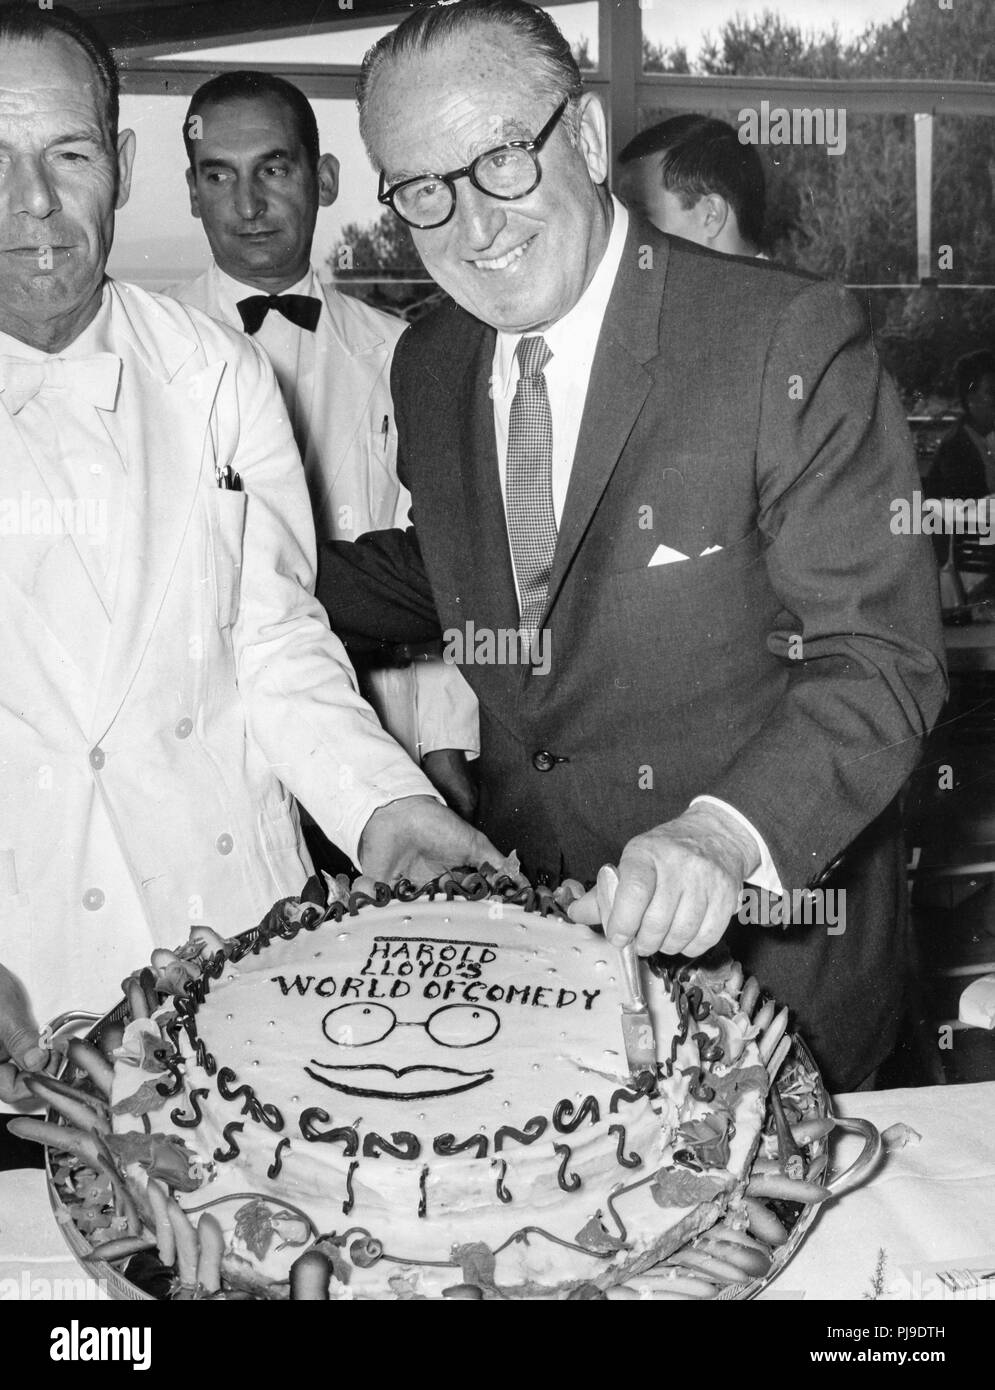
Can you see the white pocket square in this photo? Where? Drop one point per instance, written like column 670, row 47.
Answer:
column 666, row 555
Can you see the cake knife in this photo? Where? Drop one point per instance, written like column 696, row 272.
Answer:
column 637, row 1026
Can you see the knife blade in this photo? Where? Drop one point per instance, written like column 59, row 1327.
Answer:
column 637, row 1025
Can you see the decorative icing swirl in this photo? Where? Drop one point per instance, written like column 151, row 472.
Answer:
column 228, row 1133
column 533, row 1130
column 445, row 1145
column 567, row 1183
column 344, row 1134
column 563, row 1110
column 190, row 1121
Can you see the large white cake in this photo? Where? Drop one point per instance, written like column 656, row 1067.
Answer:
column 439, row 1090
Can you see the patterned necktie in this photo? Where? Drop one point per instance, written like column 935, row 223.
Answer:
column 529, row 482
column 93, row 379
column 302, row 309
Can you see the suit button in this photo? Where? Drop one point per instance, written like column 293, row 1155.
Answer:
column 93, row 900
column 184, row 728
column 543, row 760
column 97, row 758
column 224, row 844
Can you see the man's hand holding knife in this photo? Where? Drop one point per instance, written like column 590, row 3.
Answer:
column 678, row 884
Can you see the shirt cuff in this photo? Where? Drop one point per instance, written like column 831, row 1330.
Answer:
column 765, row 875
column 447, row 709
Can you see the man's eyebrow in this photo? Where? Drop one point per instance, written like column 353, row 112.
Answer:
column 220, row 162
column 511, row 129
column 77, row 137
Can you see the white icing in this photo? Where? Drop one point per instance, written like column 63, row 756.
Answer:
column 433, row 1019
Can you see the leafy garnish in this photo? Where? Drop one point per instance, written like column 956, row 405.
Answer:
column 141, row 1102
column 254, row 1225
column 477, row 1262
column 597, row 1239
column 709, row 1137
column 730, row 1087
column 678, row 1187
column 163, row 1155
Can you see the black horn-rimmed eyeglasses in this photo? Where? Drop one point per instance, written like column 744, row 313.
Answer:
column 506, row 172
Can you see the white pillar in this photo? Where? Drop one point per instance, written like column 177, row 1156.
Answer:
column 924, row 195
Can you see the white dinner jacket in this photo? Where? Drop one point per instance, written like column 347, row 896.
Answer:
column 151, row 789
column 350, row 463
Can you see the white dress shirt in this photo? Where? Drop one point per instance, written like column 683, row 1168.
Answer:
column 289, row 348
column 573, row 341
column 80, row 452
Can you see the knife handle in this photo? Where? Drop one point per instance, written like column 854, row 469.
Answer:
column 631, row 978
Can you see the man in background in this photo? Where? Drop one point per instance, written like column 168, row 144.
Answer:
column 692, row 177
column 965, row 461
column 256, row 179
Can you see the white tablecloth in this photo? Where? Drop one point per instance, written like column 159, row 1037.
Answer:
column 929, row 1208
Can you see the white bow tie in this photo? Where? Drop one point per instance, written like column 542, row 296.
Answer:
column 94, row 379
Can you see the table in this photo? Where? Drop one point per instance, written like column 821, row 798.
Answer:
column 930, row 1207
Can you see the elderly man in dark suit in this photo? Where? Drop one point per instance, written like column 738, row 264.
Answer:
column 672, row 471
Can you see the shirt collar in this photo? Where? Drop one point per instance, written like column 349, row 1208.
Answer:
column 574, row 337
column 230, row 290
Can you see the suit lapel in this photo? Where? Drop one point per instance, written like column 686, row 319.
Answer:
column 170, row 404
column 619, row 384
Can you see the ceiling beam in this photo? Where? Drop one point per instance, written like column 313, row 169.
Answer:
column 684, row 92
column 176, row 25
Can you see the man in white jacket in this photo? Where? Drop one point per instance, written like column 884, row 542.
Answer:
column 256, row 180
column 170, row 683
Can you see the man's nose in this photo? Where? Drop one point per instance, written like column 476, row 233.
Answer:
column 250, row 201
column 32, row 189
column 479, row 218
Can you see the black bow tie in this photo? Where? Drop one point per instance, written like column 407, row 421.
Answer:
column 302, row 309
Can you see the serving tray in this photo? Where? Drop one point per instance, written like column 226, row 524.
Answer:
column 798, row 1082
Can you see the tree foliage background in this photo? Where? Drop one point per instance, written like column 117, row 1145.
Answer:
column 850, row 217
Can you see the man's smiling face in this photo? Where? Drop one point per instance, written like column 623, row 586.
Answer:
column 516, row 265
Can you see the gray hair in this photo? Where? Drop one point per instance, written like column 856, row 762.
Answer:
column 556, row 69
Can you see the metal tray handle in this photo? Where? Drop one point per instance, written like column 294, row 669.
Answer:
column 866, row 1161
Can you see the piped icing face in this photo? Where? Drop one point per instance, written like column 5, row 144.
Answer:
column 447, row 1075
column 426, row 1020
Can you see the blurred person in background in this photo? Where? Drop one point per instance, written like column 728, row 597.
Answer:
column 692, row 177
column 964, row 465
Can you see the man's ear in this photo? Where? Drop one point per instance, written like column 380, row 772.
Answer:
column 125, row 164
column 714, row 213
column 191, row 178
column 328, row 180
column 593, row 136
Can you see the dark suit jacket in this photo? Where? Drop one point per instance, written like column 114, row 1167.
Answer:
column 735, row 404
